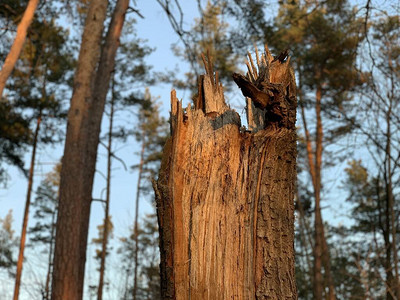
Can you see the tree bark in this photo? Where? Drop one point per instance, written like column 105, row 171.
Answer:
column 19, row 41
column 225, row 195
column 78, row 165
column 26, row 212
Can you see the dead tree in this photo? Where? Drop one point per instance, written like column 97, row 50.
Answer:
column 225, row 195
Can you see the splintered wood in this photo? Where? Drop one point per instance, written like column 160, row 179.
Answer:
column 225, row 196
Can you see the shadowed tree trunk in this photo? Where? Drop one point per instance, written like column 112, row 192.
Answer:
column 91, row 84
column 225, row 195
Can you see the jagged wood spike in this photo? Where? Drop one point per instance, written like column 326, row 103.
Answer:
column 249, row 113
column 251, row 76
column 268, row 54
column 174, row 105
column 263, row 60
column 199, row 103
column 282, row 56
column 216, row 78
column 266, row 49
column 257, row 57
column 252, row 65
column 205, row 63
column 174, row 111
column 210, row 67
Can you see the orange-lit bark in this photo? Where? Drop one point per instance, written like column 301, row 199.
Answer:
column 225, row 196
column 19, row 41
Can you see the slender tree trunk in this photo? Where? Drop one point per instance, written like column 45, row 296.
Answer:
column 321, row 250
column 225, row 196
column 19, row 41
column 317, row 250
column 318, row 223
column 136, row 229
column 51, row 255
column 391, row 216
column 26, row 213
column 388, row 247
column 107, row 208
column 79, row 160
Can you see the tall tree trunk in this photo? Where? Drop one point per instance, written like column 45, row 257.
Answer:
column 79, row 160
column 107, row 208
column 394, row 283
column 225, row 196
column 26, row 212
column 321, row 250
column 19, row 41
column 136, row 228
column 51, row 255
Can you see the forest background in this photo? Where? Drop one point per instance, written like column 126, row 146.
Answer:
column 346, row 57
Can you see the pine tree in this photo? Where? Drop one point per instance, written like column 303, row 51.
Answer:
column 373, row 191
column 98, row 241
column 8, row 244
column 91, row 83
column 43, row 232
column 152, row 134
column 324, row 38
column 148, row 285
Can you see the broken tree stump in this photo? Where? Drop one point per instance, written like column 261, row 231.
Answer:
column 225, row 196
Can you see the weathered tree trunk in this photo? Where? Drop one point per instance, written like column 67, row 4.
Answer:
column 19, row 41
column 225, row 196
column 20, row 261
column 79, row 160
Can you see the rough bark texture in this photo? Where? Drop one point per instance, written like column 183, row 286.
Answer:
column 19, row 41
column 78, row 165
column 76, row 179
column 225, row 195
